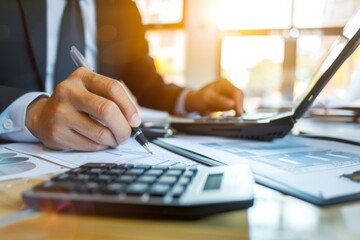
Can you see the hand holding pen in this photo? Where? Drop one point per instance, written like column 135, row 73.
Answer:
column 136, row 132
column 86, row 112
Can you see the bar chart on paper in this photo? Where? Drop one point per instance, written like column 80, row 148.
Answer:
column 16, row 165
column 130, row 153
column 11, row 163
column 290, row 155
column 309, row 169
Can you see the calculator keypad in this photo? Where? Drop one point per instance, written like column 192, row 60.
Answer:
column 124, row 179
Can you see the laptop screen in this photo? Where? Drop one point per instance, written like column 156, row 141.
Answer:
column 342, row 48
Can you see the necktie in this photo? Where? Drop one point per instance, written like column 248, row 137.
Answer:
column 71, row 34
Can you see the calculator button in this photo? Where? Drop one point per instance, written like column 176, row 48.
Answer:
column 92, row 187
column 159, row 189
column 147, row 179
column 113, row 188
column 82, row 177
column 104, row 178
column 178, row 190
column 184, row 181
column 167, row 179
column 174, row 172
column 96, row 170
column 116, row 171
column 135, row 171
column 155, row 172
column 126, row 178
column 189, row 174
column 137, row 188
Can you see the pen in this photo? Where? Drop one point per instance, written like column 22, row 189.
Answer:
column 136, row 132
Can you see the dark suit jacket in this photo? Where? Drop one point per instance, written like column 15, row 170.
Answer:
column 122, row 51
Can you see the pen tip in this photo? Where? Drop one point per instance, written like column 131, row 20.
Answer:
column 146, row 146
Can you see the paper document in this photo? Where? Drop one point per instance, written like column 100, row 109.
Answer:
column 308, row 167
column 130, row 152
column 15, row 165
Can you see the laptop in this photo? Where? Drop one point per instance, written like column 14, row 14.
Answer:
column 280, row 124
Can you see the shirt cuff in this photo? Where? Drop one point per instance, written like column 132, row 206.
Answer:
column 12, row 119
column 180, row 104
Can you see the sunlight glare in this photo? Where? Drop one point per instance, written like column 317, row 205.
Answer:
column 255, row 14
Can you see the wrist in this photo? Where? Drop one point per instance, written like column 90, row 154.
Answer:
column 189, row 102
column 33, row 113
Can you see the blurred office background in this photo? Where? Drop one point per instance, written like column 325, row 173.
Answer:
column 268, row 48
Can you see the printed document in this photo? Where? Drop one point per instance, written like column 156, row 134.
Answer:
column 130, row 152
column 15, row 165
column 307, row 166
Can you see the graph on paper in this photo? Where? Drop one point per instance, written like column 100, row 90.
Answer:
column 130, row 152
column 290, row 155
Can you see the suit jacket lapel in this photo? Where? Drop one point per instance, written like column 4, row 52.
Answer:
column 100, row 21
column 34, row 12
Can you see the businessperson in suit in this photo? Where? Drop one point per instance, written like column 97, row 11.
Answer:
column 76, row 108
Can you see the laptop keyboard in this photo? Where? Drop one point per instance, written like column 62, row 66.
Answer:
column 244, row 117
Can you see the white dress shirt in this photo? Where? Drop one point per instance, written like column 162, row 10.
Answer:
column 12, row 119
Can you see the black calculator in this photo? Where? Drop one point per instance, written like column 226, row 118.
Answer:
column 145, row 190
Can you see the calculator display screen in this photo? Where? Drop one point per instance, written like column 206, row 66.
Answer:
column 213, row 182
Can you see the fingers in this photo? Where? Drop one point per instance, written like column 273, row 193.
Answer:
column 220, row 95
column 218, row 102
column 238, row 97
column 86, row 112
column 61, row 126
column 71, row 140
column 105, row 112
column 231, row 92
column 107, row 101
column 93, row 130
column 114, row 90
